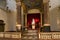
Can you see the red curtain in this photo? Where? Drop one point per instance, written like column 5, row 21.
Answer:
column 36, row 17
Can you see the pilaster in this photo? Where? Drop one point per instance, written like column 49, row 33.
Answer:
column 46, row 13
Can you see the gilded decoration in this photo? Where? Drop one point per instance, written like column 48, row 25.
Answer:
column 32, row 4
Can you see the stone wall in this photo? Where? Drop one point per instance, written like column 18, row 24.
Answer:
column 3, row 16
column 9, row 17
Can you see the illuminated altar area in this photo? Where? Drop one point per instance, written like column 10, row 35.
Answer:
column 33, row 10
column 33, row 21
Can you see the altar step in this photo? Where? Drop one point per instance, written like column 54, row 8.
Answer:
column 30, row 35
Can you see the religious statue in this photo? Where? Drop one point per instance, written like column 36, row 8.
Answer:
column 33, row 23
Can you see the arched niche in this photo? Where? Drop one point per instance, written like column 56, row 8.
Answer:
column 33, row 11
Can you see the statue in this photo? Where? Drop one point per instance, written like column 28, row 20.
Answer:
column 33, row 23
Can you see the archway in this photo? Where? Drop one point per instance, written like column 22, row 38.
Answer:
column 33, row 14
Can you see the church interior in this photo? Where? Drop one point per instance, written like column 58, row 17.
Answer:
column 23, row 12
column 30, row 17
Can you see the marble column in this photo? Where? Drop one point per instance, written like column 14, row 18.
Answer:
column 46, row 13
column 18, row 14
column 22, row 16
column 12, row 21
column 26, row 20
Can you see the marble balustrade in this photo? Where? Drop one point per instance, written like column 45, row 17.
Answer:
column 42, row 35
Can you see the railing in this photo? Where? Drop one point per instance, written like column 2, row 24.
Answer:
column 42, row 35
column 10, row 35
column 49, row 35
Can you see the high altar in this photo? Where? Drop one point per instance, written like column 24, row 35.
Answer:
column 28, row 10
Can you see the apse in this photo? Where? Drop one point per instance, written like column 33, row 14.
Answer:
column 32, row 16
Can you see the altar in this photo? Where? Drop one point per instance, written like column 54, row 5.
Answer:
column 34, row 25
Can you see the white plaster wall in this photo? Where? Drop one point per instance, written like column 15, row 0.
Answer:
column 12, row 21
column 3, row 16
column 53, row 19
column 54, row 15
column 54, row 3
column 11, row 4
